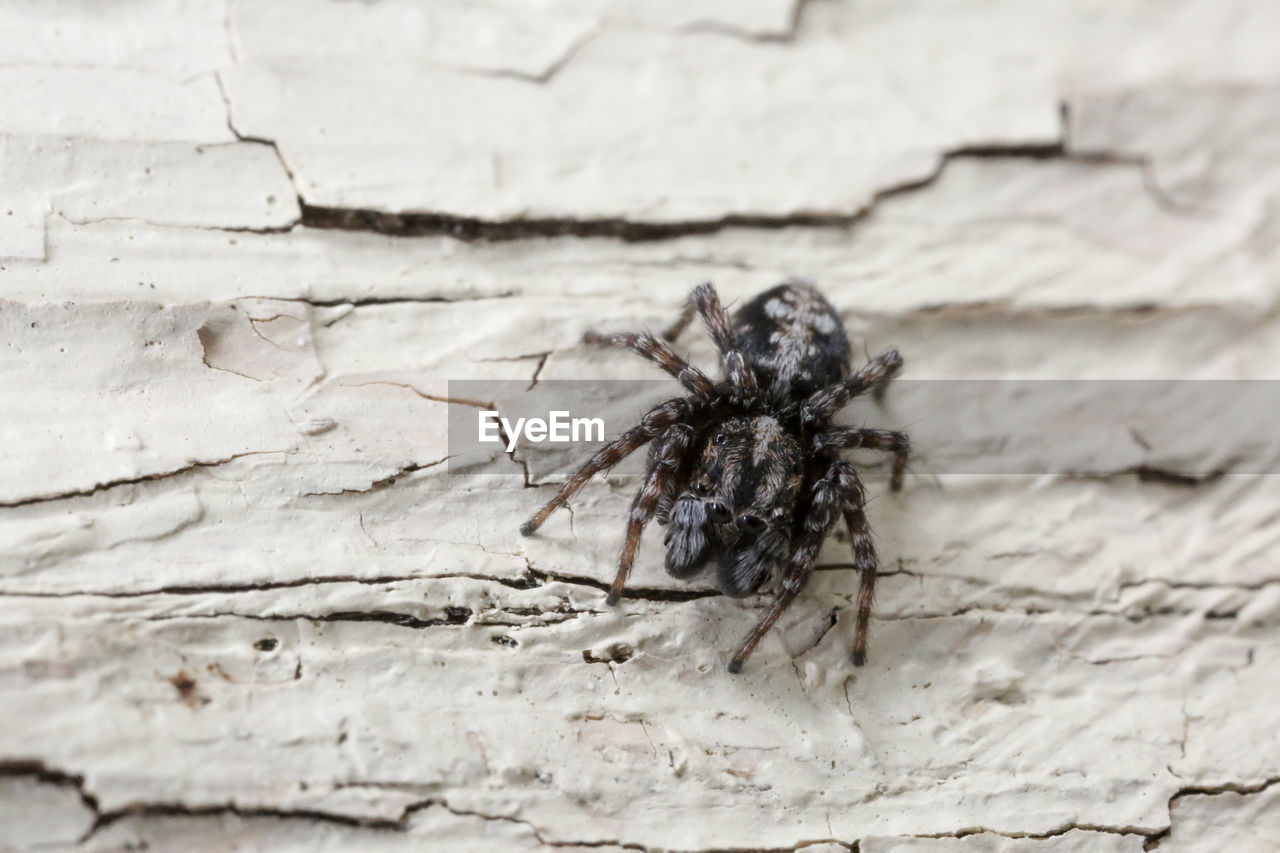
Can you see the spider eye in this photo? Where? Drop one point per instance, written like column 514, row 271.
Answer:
column 751, row 523
column 719, row 438
column 718, row 513
column 701, row 488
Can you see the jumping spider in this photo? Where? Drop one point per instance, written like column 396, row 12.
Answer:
column 748, row 469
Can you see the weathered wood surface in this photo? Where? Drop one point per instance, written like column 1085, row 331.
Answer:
column 243, row 603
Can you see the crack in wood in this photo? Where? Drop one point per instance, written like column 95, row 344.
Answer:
column 472, row 229
column 133, row 481
column 44, row 773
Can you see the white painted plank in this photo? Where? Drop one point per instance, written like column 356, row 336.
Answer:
column 246, row 603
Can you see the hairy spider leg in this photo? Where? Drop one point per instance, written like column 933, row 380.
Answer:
column 649, row 347
column 717, row 322
column 864, row 560
column 847, row 438
column 828, row 497
column 682, row 322
column 654, row 422
column 664, row 465
column 876, row 373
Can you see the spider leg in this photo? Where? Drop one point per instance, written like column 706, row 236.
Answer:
column 717, row 322
column 792, row 583
column 654, row 422
column 864, row 559
column 682, row 322
column 873, row 375
column 664, row 464
column 827, row 499
column 649, row 347
column 847, row 438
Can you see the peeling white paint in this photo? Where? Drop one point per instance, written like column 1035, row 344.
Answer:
column 244, row 602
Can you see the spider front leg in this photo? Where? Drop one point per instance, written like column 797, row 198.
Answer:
column 653, row 424
column 664, row 466
column 649, row 347
column 821, row 512
column 847, row 438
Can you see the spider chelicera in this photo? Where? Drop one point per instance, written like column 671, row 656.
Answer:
column 747, row 471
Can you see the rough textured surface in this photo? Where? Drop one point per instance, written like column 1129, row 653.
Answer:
column 243, row 250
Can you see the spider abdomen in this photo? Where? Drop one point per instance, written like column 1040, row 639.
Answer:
column 794, row 340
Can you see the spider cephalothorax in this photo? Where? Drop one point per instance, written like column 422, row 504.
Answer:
column 747, row 471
